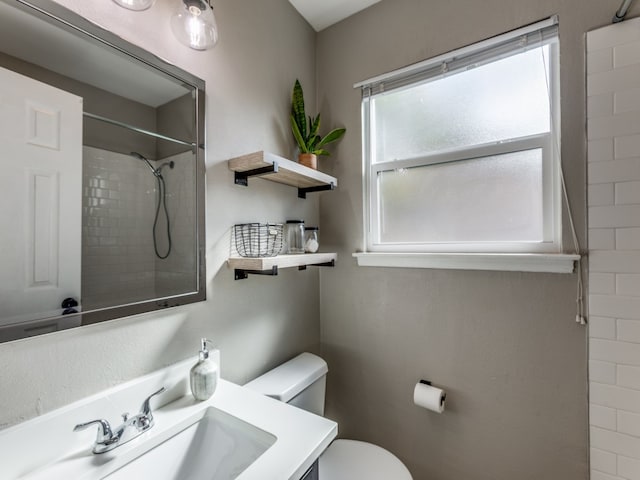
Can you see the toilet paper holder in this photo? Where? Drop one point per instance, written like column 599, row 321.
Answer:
column 427, row 396
column 428, row 382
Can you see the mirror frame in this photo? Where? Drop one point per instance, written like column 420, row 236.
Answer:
column 56, row 14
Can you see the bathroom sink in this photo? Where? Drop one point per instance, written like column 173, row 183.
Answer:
column 236, row 434
column 217, row 446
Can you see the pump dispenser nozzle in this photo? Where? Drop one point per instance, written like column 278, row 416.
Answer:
column 204, row 352
column 204, row 374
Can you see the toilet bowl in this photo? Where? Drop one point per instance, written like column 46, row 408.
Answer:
column 351, row 459
column 301, row 382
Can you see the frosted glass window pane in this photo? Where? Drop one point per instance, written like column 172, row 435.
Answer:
column 498, row 101
column 497, row 198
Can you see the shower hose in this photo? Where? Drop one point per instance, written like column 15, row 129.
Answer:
column 162, row 203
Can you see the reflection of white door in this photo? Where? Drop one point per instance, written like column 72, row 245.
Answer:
column 40, row 197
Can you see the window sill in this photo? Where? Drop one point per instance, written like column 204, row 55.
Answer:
column 507, row 262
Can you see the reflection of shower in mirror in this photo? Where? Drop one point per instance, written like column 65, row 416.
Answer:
column 161, row 202
column 86, row 225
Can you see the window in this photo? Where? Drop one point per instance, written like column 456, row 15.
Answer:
column 461, row 151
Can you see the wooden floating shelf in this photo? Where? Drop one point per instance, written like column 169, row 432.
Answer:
column 279, row 169
column 244, row 266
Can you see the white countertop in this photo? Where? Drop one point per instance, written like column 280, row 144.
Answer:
column 47, row 448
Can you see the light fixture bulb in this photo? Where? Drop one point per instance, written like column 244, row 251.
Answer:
column 135, row 4
column 194, row 24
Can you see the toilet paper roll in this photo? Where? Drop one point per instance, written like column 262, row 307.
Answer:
column 431, row 398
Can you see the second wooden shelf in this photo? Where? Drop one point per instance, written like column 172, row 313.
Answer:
column 244, row 266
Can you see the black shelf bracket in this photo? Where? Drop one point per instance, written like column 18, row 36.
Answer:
column 242, row 178
column 302, row 192
column 241, row 273
column 332, row 263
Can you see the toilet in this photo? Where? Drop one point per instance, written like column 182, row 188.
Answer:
column 301, row 382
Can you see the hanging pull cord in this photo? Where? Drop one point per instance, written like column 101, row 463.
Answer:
column 580, row 317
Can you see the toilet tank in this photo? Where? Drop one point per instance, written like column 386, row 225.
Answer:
column 300, row 382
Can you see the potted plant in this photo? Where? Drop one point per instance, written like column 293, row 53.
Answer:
column 311, row 144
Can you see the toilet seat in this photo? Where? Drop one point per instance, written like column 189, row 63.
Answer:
column 351, row 459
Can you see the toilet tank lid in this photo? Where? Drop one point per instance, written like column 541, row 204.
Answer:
column 289, row 379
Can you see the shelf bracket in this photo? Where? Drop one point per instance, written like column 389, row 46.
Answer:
column 332, row 263
column 302, row 192
column 241, row 273
column 242, row 178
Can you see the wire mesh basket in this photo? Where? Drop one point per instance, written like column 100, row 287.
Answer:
column 258, row 239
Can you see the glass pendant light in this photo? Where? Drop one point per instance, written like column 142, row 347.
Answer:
column 194, row 25
column 135, row 4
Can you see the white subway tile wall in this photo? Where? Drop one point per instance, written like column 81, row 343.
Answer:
column 119, row 264
column 117, row 259
column 602, row 327
column 602, row 239
column 175, row 274
column 603, row 417
column 603, row 461
column 600, row 150
column 613, row 112
column 601, row 194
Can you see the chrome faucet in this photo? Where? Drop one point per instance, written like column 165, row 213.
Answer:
column 131, row 427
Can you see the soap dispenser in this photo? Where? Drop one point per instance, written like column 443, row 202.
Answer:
column 204, row 374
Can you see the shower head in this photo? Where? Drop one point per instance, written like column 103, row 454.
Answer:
column 141, row 157
column 170, row 164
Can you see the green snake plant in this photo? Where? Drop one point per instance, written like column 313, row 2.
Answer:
column 306, row 135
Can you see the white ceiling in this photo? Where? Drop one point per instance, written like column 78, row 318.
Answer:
column 324, row 13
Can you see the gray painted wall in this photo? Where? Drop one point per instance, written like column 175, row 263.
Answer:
column 504, row 345
column 257, row 322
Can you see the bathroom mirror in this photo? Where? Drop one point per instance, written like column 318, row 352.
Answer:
column 101, row 175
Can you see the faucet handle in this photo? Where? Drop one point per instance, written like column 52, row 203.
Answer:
column 145, row 409
column 105, row 435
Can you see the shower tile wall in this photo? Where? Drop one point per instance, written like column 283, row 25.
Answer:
column 613, row 112
column 175, row 274
column 118, row 261
column 119, row 264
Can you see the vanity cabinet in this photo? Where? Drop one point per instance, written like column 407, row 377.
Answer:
column 312, row 473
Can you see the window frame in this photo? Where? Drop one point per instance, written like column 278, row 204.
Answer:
column 549, row 143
